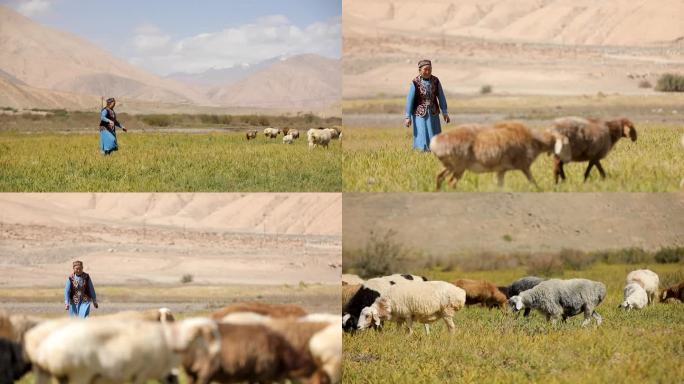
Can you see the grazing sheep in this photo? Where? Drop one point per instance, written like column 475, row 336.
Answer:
column 249, row 352
column 251, row 134
column 560, row 299
column 294, row 133
column 317, row 137
column 673, row 292
column 482, row 292
column 590, row 140
column 499, row 148
column 287, row 139
column 647, row 279
column 326, row 346
column 521, row 285
column 270, row 310
column 14, row 327
column 271, row 133
column 634, row 297
column 107, row 351
column 12, row 362
column 369, row 293
column 426, row 302
column 285, row 130
column 348, row 291
column 348, row 278
column 161, row 315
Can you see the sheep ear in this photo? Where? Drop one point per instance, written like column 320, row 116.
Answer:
column 376, row 318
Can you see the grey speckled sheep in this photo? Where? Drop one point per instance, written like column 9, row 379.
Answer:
column 560, row 299
column 521, row 285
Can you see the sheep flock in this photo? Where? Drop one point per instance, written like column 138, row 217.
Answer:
column 250, row 342
column 316, row 137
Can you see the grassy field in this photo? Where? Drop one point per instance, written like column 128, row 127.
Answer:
column 160, row 162
column 491, row 346
column 381, row 160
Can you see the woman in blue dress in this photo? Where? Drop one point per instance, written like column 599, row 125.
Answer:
column 423, row 104
column 79, row 292
column 108, row 124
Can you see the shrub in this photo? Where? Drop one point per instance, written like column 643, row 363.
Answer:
column 575, row 259
column 381, row 256
column 669, row 255
column 670, row 82
column 627, row 255
column 186, row 278
column 645, row 84
column 544, row 264
column 486, row 89
column 157, row 120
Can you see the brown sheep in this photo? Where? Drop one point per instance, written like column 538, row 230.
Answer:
column 161, row 315
column 498, row 148
column 482, row 292
column 251, row 134
column 271, row 310
column 251, row 353
column 590, row 140
column 298, row 334
column 673, row 292
column 285, row 130
column 294, row 133
column 348, row 291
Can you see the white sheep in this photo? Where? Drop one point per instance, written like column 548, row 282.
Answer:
column 326, row 345
column 115, row 351
column 634, row 296
column 647, row 279
column 317, row 137
column 350, row 279
column 271, row 133
column 560, row 299
column 424, row 301
column 288, row 139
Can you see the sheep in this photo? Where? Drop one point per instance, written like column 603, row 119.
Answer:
column 647, row 279
column 288, row 139
column 348, row 291
column 317, row 137
column 673, row 292
column 161, row 315
column 14, row 327
column 499, row 148
column 482, row 292
column 326, row 346
column 294, row 133
column 634, row 297
column 590, row 140
column 520, row 285
column 271, row 133
column 557, row 298
column 425, row 302
column 12, row 361
column 116, row 351
column 251, row 134
column 348, row 278
column 368, row 293
column 249, row 352
column 285, row 130
column 271, row 310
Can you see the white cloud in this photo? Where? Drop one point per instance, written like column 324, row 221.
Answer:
column 34, row 7
column 265, row 38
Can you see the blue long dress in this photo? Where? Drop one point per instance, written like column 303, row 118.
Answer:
column 108, row 142
column 425, row 127
column 82, row 309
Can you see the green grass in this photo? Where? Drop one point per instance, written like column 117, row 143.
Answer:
column 161, row 162
column 490, row 346
column 381, row 160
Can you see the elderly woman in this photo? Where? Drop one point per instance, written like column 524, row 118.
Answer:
column 108, row 124
column 423, row 104
column 79, row 292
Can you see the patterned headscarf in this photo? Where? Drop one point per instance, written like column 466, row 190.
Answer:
column 110, row 100
column 423, row 63
column 77, row 262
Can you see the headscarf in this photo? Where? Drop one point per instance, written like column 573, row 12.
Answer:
column 423, row 63
column 110, row 100
column 77, row 262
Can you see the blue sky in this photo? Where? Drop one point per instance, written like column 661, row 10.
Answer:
column 191, row 36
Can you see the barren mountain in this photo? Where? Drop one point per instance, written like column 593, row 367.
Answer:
column 214, row 77
column 297, row 82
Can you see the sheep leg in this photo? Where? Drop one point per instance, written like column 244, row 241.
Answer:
column 558, row 169
column 529, row 176
column 500, row 178
column 586, row 173
column 600, row 169
column 450, row 324
column 598, row 317
column 40, row 376
column 527, row 312
column 455, row 177
column 409, row 325
column 440, row 178
column 427, row 328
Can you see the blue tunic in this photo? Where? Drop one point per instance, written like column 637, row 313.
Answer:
column 425, row 127
column 81, row 309
column 108, row 142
